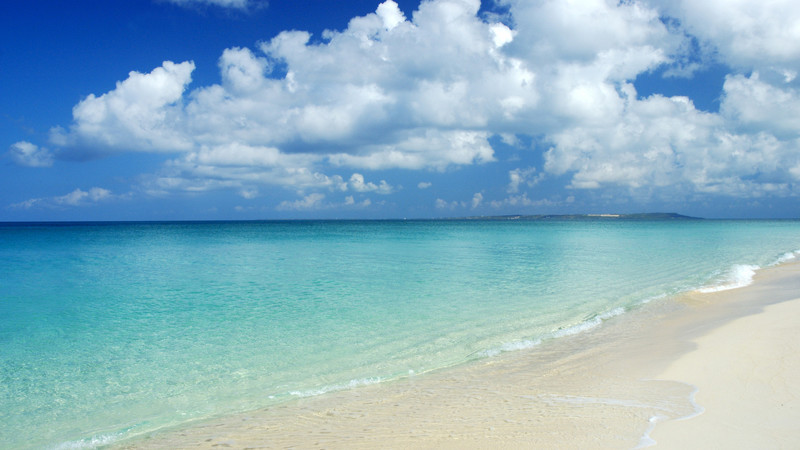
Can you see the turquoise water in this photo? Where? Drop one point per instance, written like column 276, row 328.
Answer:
column 112, row 330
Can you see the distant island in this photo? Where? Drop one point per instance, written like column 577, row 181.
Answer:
column 639, row 216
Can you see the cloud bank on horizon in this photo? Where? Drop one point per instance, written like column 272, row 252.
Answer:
column 326, row 118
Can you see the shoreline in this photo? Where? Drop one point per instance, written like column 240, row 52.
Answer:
column 624, row 384
column 747, row 374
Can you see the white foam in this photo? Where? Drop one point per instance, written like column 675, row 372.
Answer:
column 93, row 442
column 788, row 256
column 655, row 297
column 697, row 408
column 740, row 275
column 337, row 387
column 647, row 441
column 589, row 324
column 513, row 346
column 562, row 332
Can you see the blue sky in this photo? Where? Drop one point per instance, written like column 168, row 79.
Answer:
column 244, row 109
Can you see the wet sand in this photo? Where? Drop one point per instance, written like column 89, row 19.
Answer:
column 683, row 373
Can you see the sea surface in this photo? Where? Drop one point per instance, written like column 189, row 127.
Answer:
column 112, row 330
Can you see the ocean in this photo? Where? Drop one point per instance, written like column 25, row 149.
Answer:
column 109, row 331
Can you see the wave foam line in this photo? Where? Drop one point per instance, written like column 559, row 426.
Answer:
column 786, row 257
column 337, row 387
column 589, row 324
column 562, row 332
column 647, row 441
column 740, row 275
column 513, row 346
column 92, row 442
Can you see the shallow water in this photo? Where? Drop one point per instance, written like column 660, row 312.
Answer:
column 113, row 330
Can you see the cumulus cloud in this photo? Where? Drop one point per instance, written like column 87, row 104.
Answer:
column 316, row 202
column 358, row 184
column 141, row 113
column 345, row 93
column 350, row 202
column 516, row 201
column 519, row 177
column 26, row 154
column 78, row 197
column 757, row 106
column 512, row 201
column 249, row 193
column 665, row 142
column 240, row 167
column 429, row 93
column 587, row 31
column 744, row 33
column 444, row 204
column 311, row 201
column 423, row 149
column 477, row 199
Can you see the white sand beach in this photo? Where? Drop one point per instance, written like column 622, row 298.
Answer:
column 748, row 377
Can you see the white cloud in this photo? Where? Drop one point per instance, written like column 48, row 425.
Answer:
column 350, row 201
column 390, row 14
column 423, row 149
column 249, row 193
column 520, row 176
column 141, row 113
column 242, row 72
column 239, row 167
column 315, row 202
column 452, row 206
column 430, row 92
column 443, row 204
column 424, row 184
column 311, row 201
column 501, row 34
column 185, row 175
column 516, row 201
column 357, row 184
column 476, row 200
column 747, row 34
column 663, row 142
column 346, row 93
column 26, row 154
column 78, row 197
column 756, row 106
column 512, row 201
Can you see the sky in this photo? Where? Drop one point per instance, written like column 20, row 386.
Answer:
column 298, row 109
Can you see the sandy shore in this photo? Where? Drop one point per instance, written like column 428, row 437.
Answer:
column 713, row 370
column 748, row 378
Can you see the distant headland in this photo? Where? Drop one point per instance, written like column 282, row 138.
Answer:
column 637, row 216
